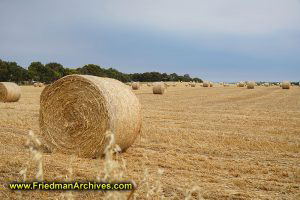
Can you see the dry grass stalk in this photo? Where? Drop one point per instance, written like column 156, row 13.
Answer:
column 76, row 112
column 9, row 92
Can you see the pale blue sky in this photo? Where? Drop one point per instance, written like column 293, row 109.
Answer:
column 218, row 40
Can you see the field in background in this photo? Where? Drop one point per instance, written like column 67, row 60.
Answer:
column 232, row 142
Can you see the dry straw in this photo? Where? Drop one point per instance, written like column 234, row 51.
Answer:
column 193, row 84
column 135, row 85
column 206, row 84
column 211, row 84
column 77, row 111
column 40, row 84
column 9, row 92
column 286, row 85
column 250, row 85
column 159, row 88
column 36, row 84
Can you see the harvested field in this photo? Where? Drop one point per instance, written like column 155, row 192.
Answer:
column 232, row 142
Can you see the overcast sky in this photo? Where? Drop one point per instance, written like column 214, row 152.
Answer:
column 218, row 40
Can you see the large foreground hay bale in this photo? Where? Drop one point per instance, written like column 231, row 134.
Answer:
column 206, row 84
column 135, row 85
column 159, row 88
column 9, row 92
column 77, row 111
column 286, row 85
column 250, row 85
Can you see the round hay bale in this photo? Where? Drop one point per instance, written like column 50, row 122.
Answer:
column 211, row 84
column 193, row 84
column 286, row 85
column 36, row 84
column 77, row 111
column 41, row 84
column 149, row 84
column 135, row 85
column 9, row 92
column 250, row 85
column 241, row 84
column 206, row 84
column 158, row 88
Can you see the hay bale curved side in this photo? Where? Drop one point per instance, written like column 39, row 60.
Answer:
column 286, row 85
column 9, row 92
column 206, row 84
column 158, row 88
column 250, row 85
column 241, row 84
column 77, row 111
column 193, row 84
column 135, row 85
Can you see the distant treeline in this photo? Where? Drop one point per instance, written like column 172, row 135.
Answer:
column 12, row 72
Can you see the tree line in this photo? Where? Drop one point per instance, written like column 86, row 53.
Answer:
column 50, row 72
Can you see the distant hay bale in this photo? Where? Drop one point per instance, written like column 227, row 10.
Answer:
column 241, row 84
column 135, row 85
column 267, row 84
column 211, row 84
column 286, row 85
column 40, row 84
column 159, row 88
column 36, row 84
column 206, row 84
column 186, row 84
column 193, row 84
column 149, row 84
column 250, row 85
column 77, row 112
column 9, row 92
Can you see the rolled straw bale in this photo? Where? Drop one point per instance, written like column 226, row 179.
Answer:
column 286, row 85
column 211, row 84
column 135, row 85
column 149, row 84
column 193, row 84
column 41, row 84
column 250, row 85
column 206, row 84
column 77, row 111
column 241, row 84
column 159, row 88
column 9, row 92
column 36, row 84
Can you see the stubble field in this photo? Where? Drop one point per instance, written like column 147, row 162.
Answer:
column 233, row 143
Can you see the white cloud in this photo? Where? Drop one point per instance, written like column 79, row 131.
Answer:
column 252, row 17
